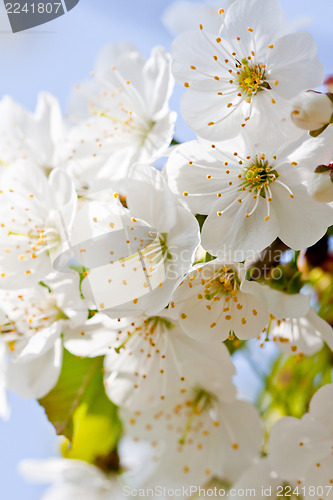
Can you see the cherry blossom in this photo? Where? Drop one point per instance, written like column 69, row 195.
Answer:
column 251, row 192
column 302, row 449
column 153, row 363
column 250, row 66
column 36, row 215
column 148, row 246
column 294, row 324
column 199, row 435
column 34, row 320
column 36, row 137
column 123, row 115
column 71, row 479
column 215, row 302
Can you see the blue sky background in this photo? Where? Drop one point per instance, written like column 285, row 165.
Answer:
column 53, row 58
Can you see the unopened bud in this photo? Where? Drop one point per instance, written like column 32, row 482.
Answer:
column 321, row 185
column 313, row 111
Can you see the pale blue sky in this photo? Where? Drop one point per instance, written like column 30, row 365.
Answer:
column 53, row 58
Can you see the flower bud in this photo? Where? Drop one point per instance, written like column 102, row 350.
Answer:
column 321, row 185
column 312, row 110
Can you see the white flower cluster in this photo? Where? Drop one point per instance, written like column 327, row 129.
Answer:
column 103, row 255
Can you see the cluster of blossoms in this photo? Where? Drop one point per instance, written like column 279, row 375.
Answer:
column 104, row 256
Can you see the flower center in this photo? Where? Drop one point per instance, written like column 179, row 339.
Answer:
column 164, row 247
column 258, row 175
column 154, row 321
column 202, row 401
column 32, row 318
column 224, row 282
column 251, row 79
column 147, row 328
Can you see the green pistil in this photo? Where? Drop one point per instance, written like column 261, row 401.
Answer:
column 202, row 402
column 155, row 321
column 164, row 247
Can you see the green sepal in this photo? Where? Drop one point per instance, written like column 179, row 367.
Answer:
column 322, row 168
column 315, row 133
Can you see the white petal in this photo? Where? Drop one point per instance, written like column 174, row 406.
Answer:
column 64, row 194
column 263, row 17
column 293, row 63
column 286, row 305
column 159, row 82
column 37, row 345
column 259, row 477
column 236, row 236
column 241, row 417
column 150, row 199
column 321, row 405
column 35, row 378
column 296, row 444
column 319, row 480
column 302, row 220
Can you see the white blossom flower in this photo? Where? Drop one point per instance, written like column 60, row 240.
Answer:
column 36, row 214
column 305, row 334
column 252, row 193
column 135, row 256
column 198, row 435
column 71, row 479
column 249, row 66
column 215, row 301
column 294, row 325
column 312, row 110
column 302, row 449
column 35, row 319
column 36, row 137
column 126, row 115
column 147, row 359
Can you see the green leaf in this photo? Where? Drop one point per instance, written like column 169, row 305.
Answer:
column 80, row 410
